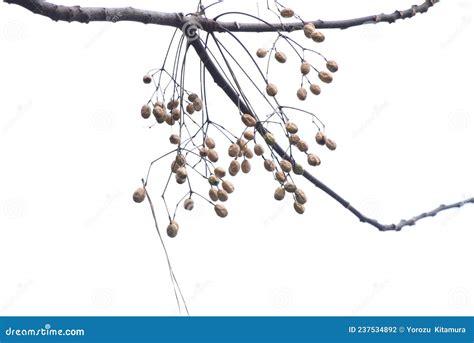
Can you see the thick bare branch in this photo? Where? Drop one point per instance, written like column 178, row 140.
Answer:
column 89, row 14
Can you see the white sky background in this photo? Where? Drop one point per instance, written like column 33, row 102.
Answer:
column 74, row 147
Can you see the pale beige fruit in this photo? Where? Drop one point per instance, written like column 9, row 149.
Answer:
column 280, row 176
column 179, row 180
column 302, row 93
column 271, row 89
column 261, row 53
column 169, row 120
column 290, row 187
column 197, row 104
column 159, row 104
column 139, row 195
column 315, row 89
column 280, row 57
column 294, row 139
column 192, row 97
column 213, row 194
column 190, row 108
column 188, row 204
column 298, row 169
column 228, row 186
column 325, row 76
column 172, row 229
column 299, row 208
column 300, row 196
column 285, row 165
column 234, row 167
column 213, row 180
column 210, row 143
column 246, row 166
column 291, row 127
column 330, row 144
column 313, row 160
column 175, row 139
column 180, row 160
column 145, row 111
column 302, row 146
column 182, row 173
column 249, row 135
column 287, row 13
column 172, row 104
column 320, row 138
column 248, row 153
column 220, row 172
column 248, row 120
column 269, row 138
column 279, row 193
column 212, row 155
column 222, row 195
column 242, row 143
column 147, row 79
column 305, row 68
column 176, row 113
column 317, row 36
column 332, row 66
column 159, row 112
column 269, row 165
column 258, row 149
column 308, row 29
column 221, row 211
column 203, row 151
column 233, row 150
column 174, row 166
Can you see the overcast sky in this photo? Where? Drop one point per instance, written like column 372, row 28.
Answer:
column 73, row 149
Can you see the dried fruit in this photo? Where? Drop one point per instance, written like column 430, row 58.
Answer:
column 331, row 145
column 222, row 195
column 192, row 97
column 313, row 160
column 308, row 29
column 174, row 166
column 246, row 167
column 285, row 165
column 248, row 153
column 210, row 143
column 315, row 89
column 159, row 113
column 182, row 173
column 302, row 146
column 317, row 36
column 258, row 149
column 332, row 66
column 221, row 211
column 325, row 76
column 305, row 68
column 280, row 57
column 299, row 208
column 197, row 104
column 172, row 104
column 261, row 53
column 271, row 89
column 302, row 93
column 179, row 180
column 249, row 135
column 298, row 169
column 213, row 194
column 228, row 186
column 234, row 167
column 291, row 127
column 175, row 139
column 290, row 187
column 269, row 139
column 220, row 172
column 203, row 151
column 190, row 108
column 287, row 13
column 242, row 143
column 188, row 204
column 159, row 104
column 269, row 165
column 146, row 111
column 169, row 120
column 180, row 160
column 294, row 139
column 176, row 113
column 147, row 79
column 172, row 229
column 139, row 195
column 280, row 176
column 212, row 155
column 233, row 150
column 300, row 196
column 279, row 193
column 213, row 180
column 249, row 120
column 320, row 138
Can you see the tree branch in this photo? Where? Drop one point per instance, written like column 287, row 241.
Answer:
column 89, row 14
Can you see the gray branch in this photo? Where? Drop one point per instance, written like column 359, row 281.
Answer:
column 89, row 14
